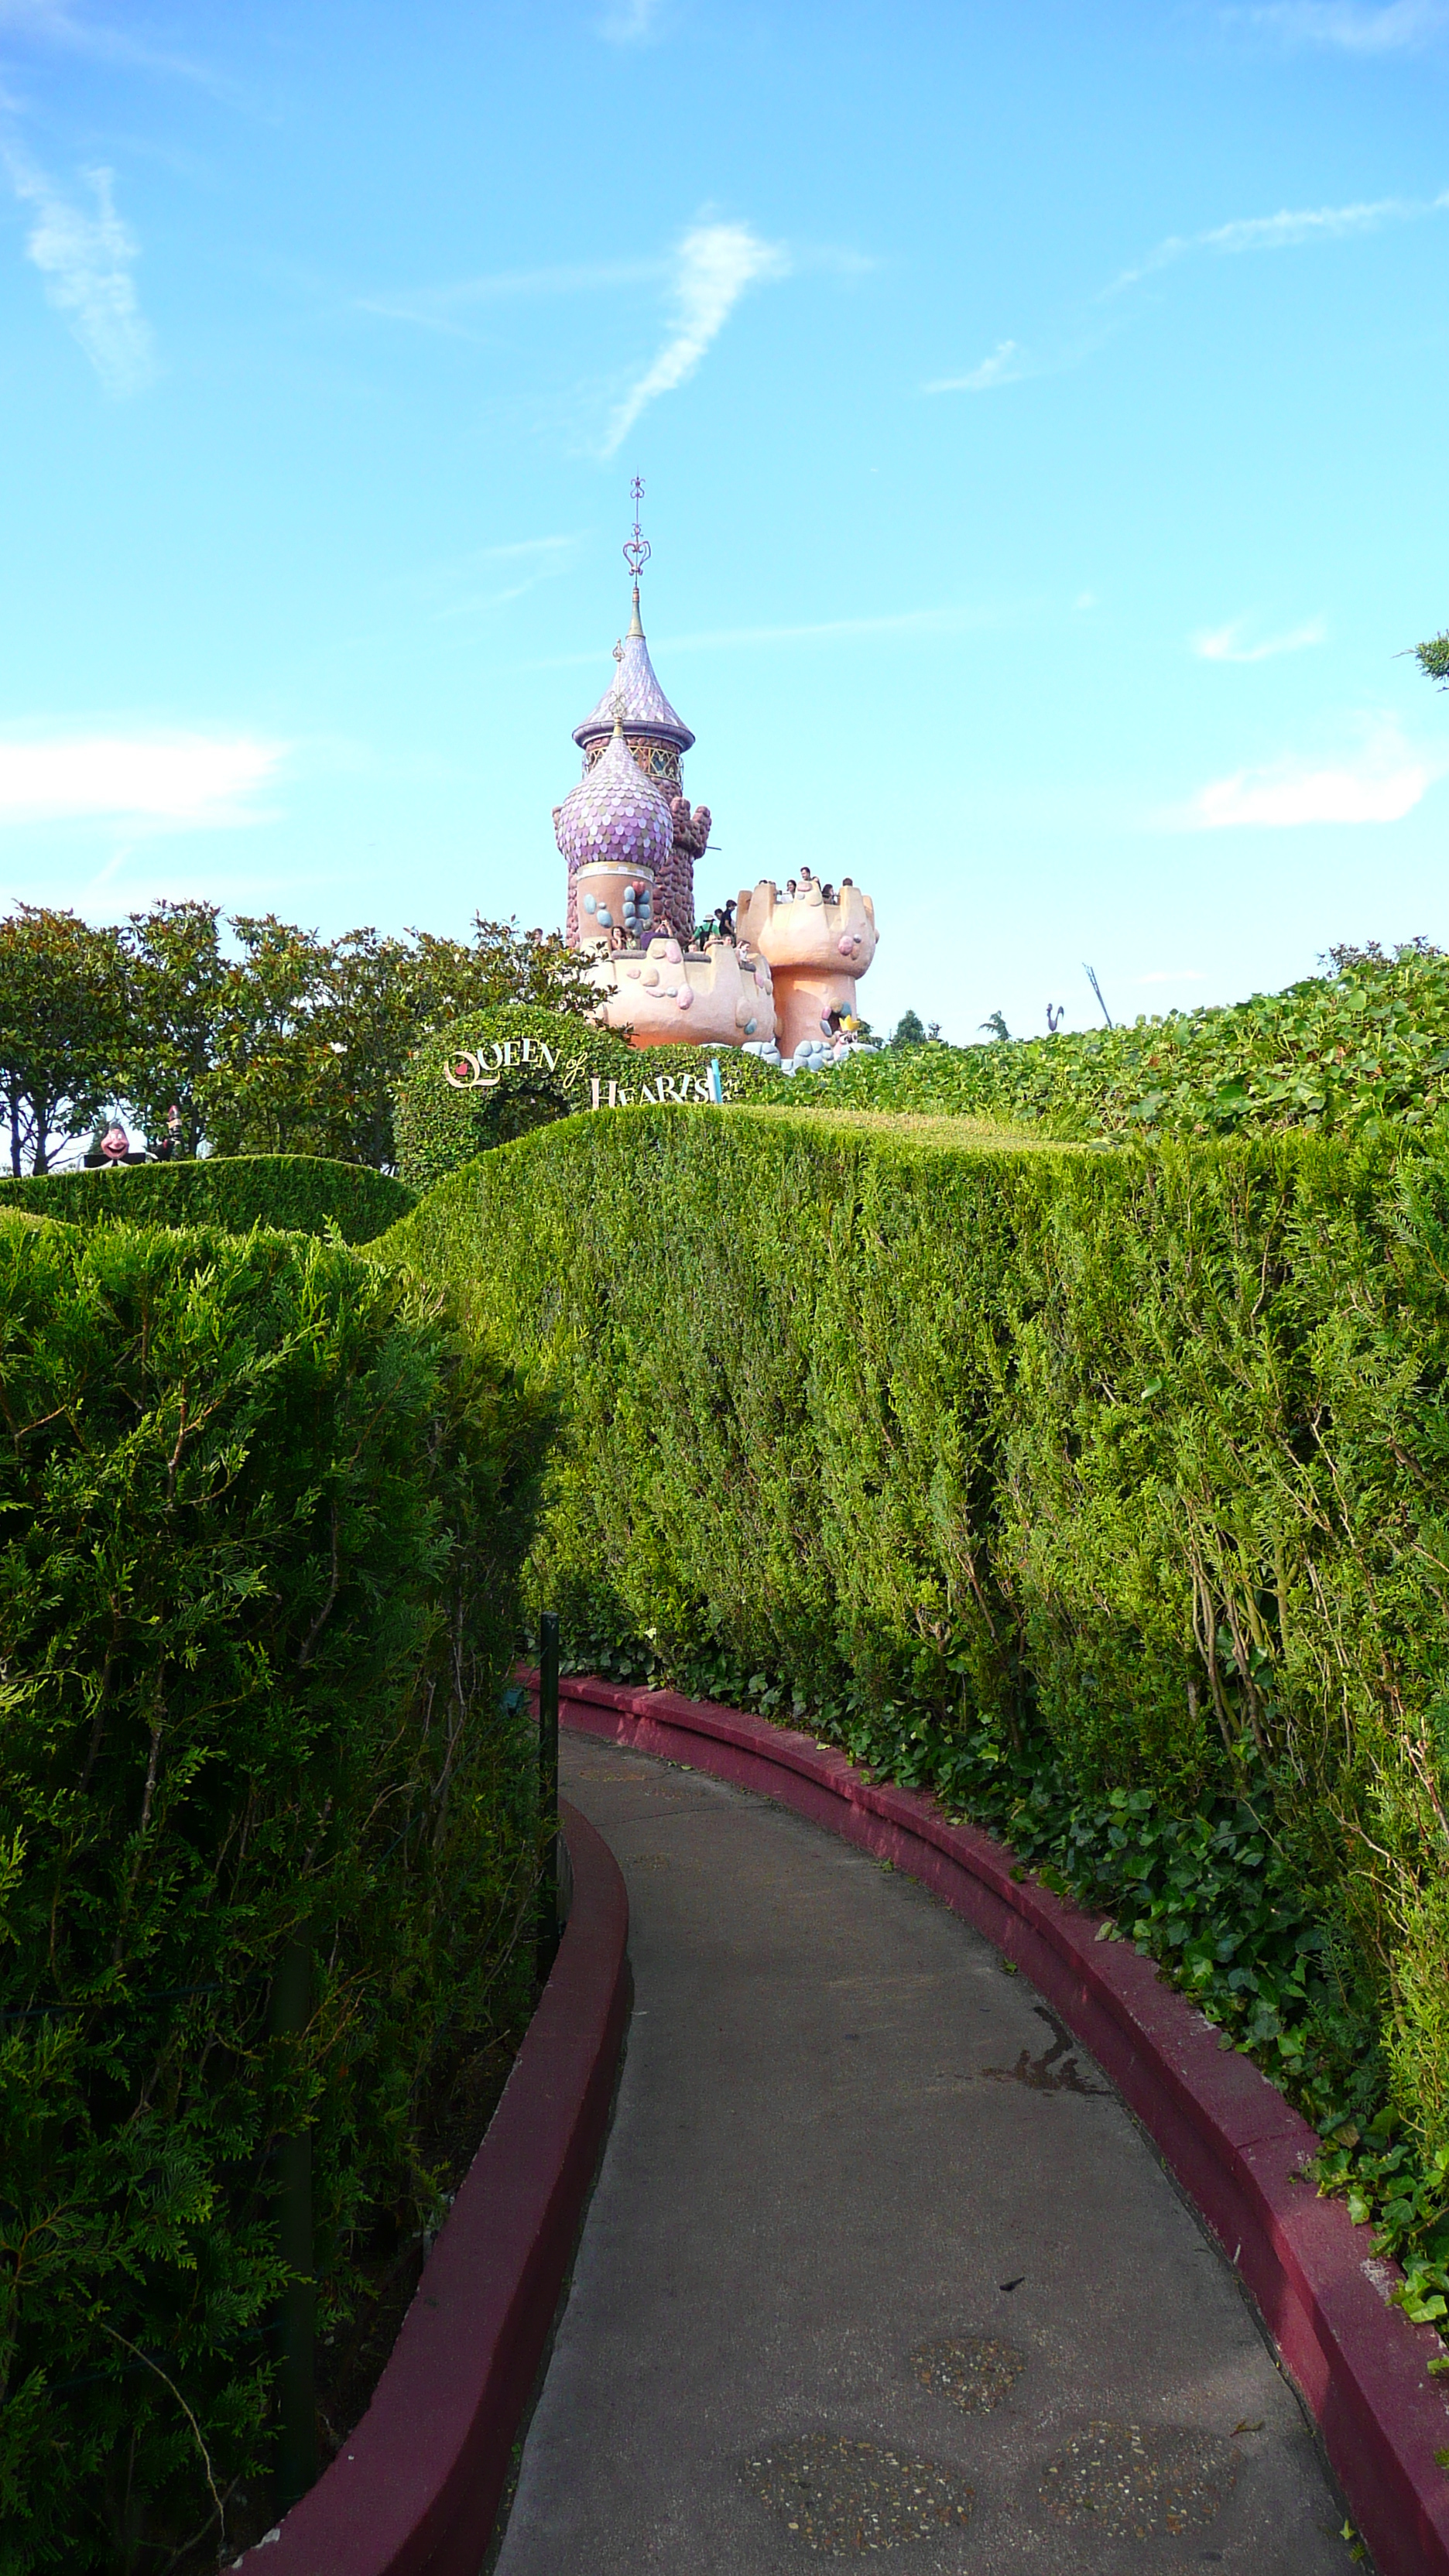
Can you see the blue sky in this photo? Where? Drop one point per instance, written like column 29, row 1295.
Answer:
column 1041, row 414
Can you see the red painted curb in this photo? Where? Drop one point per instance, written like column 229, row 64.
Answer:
column 416, row 2487
column 1226, row 2132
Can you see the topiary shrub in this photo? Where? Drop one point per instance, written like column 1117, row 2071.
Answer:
column 301, row 1193
column 496, row 1075
column 261, row 1519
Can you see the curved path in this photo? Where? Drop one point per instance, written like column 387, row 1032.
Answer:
column 877, row 2260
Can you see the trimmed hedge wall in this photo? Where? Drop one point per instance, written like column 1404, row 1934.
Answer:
column 301, row 1193
column 261, row 1519
column 1127, row 1468
column 536, row 1066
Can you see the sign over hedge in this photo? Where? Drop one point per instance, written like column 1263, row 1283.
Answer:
column 496, row 1074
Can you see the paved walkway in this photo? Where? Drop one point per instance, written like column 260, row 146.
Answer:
column 877, row 2259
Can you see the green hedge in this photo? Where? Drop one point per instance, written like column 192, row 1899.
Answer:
column 1127, row 1470
column 301, row 1193
column 1363, row 1049
column 261, row 1518
column 526, row 1068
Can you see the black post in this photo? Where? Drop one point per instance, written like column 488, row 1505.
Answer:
column 547, row 1792
column 297, row 2313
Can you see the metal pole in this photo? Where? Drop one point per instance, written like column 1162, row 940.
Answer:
column 297, row 2311
column 547, row 1793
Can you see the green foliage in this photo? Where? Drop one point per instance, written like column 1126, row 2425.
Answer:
column 1114, row 1479
column 909, row 1031
column 62, row 1027
column 1433, row 659
column 179, row 987
column 495, row 1075
column 284, row 1043
column 1361, row 1050
column 298, row 1193
column 261, row 1520
column 307, row 1036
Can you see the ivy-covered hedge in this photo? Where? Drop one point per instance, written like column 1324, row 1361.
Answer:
column 301, row 1193
column 1109, row 1491
column 498, row 1074
column 261, row 1519
column 1363, row 1050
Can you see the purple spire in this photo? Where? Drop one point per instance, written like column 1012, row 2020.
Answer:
column 646, row 708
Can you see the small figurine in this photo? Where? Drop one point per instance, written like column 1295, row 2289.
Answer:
column 115, row 1144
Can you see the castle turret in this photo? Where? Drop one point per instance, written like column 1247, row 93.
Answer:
column 785, row 971
column 615, row 832
column 657, row 739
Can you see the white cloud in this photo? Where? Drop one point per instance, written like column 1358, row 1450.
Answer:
column 1229, row 644
column 715, row 264
column 1006, row 365
column 1384, row 784
column 163, row 778
column 1289, row 229
column 631, row 22
column 86, row 261
column 1354, row 27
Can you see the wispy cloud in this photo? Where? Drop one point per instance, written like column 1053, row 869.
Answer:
column 443, row 308
column 86, row 259
column 714, row 265
column 631, row 22
column 827, row 630
column 1289, row 229
column 1398, row 27
column 1230, row 643
column 1007, row 364
column 50, row 22
column 181, row 778
column 1384, row 783
column 492, row 576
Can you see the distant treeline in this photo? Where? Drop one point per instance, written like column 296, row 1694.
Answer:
column 264, row 1037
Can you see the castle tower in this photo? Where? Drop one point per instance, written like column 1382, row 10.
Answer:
column 657, row 739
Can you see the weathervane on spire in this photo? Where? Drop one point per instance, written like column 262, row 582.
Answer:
column 637, row 550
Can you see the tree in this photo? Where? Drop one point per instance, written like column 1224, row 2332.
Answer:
column 275, row 1086
column 63, row 1009
column 313, row 1036
column 908, row 1032
column 1433, row 659
column 996, row 1026
column 384, row 996
column 179, row 984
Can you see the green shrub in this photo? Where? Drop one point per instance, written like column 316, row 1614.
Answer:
column 1127, row 1468
column 262, row 1518
column 302, row 1193
column 1363, row 1049
column 525, row 1068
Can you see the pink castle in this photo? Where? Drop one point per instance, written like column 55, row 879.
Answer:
column 782, row 976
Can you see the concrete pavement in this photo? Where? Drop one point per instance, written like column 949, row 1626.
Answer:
column 877, row 2261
